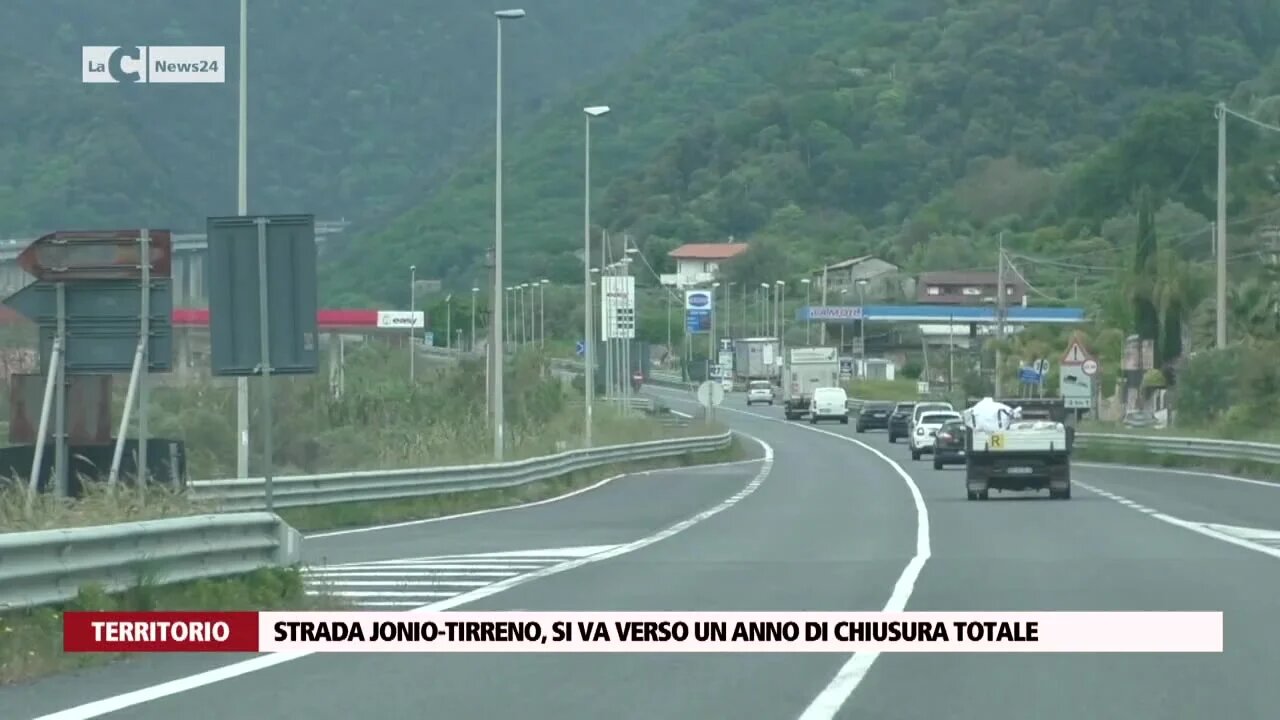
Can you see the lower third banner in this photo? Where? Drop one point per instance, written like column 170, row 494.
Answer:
column 629, row 632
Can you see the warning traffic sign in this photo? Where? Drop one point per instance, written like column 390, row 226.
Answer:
column 1075, row 355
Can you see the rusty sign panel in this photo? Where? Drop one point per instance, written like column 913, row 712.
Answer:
column 88, row 409
column 96, row 255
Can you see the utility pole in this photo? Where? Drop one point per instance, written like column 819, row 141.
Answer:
column 822, row 327
column 999, row 311
column 1221, row 112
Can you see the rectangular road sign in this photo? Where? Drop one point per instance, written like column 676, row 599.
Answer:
column 1075, row 387
column 108, row 347
column 102, row 321
column 88, row 408
column 92, row 301
column 234, row 326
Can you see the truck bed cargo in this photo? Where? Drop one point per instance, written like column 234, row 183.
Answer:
column 1033, row 453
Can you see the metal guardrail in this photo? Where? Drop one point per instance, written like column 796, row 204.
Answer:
column 50, row 566
column 1184, row 446
column 325, row 489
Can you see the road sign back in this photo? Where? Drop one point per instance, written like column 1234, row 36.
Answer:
column 234, row 313
column 1075, row 355
column 96, row 255
column 94, row 300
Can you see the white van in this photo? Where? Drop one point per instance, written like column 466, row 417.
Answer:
column 829, row 403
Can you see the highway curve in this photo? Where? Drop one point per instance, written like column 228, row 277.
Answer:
column 820, row 525
column 1130, row 539
column 829, row 525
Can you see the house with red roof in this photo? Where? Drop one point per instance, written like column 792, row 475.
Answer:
column 698, row 263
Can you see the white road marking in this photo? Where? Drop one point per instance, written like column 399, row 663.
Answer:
column 115, row 703
column 851, row 674
column 366, row 583
column 1266, row 542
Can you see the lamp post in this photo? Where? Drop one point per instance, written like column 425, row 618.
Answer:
column 524, row 314
column 588, row 336
column 413, row 283
column 862, row 328
column 628, row 339
column 499, row 412
column 782, row 321
column 474, row 293
column 242, row 208
column 542, row 312
column 807, row 307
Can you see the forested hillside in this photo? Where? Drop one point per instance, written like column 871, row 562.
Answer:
column 828, row 128
column 355, row 108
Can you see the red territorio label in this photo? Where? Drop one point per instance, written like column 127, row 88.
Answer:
column 127, row 632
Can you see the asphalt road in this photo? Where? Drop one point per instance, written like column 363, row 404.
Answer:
column 829, row 524
column 1121, row 543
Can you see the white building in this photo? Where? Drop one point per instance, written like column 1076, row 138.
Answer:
column 698, row 263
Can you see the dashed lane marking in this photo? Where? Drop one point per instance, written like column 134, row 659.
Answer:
column 1259, row 540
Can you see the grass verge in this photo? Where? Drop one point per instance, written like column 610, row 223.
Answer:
column 31, row 639
column 1131, row 456
column 348, row 515
column 884, row 390
column 126, row 503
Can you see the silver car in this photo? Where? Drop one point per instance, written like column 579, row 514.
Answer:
column 759, row 391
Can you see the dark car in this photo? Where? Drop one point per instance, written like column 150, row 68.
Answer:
column 948, row 445
column 873, row 416
column 900, row 421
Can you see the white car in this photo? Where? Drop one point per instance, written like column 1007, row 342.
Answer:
column 759, row 391
column 829, row 403
column 925, row 430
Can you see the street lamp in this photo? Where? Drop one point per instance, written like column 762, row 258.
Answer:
column 242, row 208
column 542, row 311
column 524, row 326
column 713, row 357
column 448, row 320
column 499, row 412
column 862, row 327
column 780, row 326
column 808, row 310
column 588, row 343
column 474, row 294
column 413, row 283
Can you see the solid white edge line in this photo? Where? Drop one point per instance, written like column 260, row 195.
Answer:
column 521, row 506
column 115, row 703
column 847, row 679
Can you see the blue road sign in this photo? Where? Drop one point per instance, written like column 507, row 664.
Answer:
column 1029, row 376
column 582, row 348
column 697, row 320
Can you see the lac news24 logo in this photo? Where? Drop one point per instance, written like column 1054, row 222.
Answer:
column 153, row 64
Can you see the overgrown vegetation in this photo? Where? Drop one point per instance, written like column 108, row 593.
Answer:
column 380, row 421
column 31, row 639
column 378, row 106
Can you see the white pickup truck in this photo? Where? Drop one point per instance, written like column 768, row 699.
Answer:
column 1032, row 452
